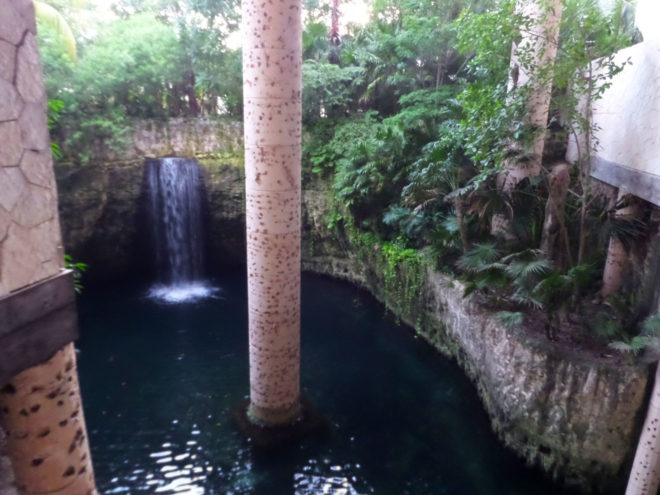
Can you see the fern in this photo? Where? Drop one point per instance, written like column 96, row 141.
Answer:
column 528, row 269
column 635, row 345
column 651, row 326
column 479, row 257
column 510, row 319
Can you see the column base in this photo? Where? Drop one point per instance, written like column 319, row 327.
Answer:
column 269, row 418
column 278, row 428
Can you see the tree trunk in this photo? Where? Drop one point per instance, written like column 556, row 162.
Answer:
column 272, row 85
column 645, row 473
column 540, row 43
column 334, row 29
column 193, row 104
column 40, row 408
column 460, row 218
column 554, row 239
column 617, row 256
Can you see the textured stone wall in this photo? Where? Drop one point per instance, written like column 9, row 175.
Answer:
column 185, row 137
column 101, row 214
column 28, row 202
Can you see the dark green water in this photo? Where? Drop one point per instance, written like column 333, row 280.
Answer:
column 159, row 383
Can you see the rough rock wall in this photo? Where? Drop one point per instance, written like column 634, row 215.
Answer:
column 186, row 137
column 574, row 417
column 100, row 212
column 577, row 418
column 28, row 205
column 100, row 202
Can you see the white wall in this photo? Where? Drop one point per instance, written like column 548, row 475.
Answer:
column 627, row 118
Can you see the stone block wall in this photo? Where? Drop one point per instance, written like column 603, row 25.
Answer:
column 28, row 204
column 184, row 137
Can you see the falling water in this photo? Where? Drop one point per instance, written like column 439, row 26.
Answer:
column 174, row 188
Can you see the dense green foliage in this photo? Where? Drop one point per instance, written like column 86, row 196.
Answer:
column 153, row 60
column 409, row 117
column 412, row 120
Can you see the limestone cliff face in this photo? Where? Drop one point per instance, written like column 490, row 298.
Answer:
column 184, row 137
column 100, row 202
column 98, row 209
column 102, row 215
column 575, row 417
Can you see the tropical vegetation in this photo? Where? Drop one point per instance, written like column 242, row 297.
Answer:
column 411, row 118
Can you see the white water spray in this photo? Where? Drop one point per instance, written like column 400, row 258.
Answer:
column 175, row 187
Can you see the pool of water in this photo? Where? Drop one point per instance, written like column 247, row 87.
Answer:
column 160, row 381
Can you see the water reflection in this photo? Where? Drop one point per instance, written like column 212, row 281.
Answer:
column 160, row 382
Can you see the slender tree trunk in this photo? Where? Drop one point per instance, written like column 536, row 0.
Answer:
column 460, row 218
column 540, row 42
column 334, row 29
column 272, row 84
column 554, row 239
column 193, row 104
column 617, row 256
column 40, row 407
column 645, row 474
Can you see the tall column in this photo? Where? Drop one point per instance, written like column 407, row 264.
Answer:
column 645, row 473
column 272, row 86
column 40, row 407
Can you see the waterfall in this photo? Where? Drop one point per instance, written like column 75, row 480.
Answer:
column 174, row 189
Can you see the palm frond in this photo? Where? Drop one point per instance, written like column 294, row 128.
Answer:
column 651, row 325
column 479, row 257
column 527, row 269
column 49, row 16
column 510, row 319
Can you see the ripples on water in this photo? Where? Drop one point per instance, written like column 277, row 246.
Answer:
column 160, row 382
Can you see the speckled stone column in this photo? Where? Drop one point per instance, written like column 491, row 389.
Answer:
column 272, row 84
column 645, row 474
column 40, row 408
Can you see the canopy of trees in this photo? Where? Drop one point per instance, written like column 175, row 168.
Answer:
column 410, row 117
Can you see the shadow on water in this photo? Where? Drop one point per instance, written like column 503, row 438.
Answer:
column 160, row 382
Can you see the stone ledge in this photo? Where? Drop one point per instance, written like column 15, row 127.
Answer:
column 36, row 322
